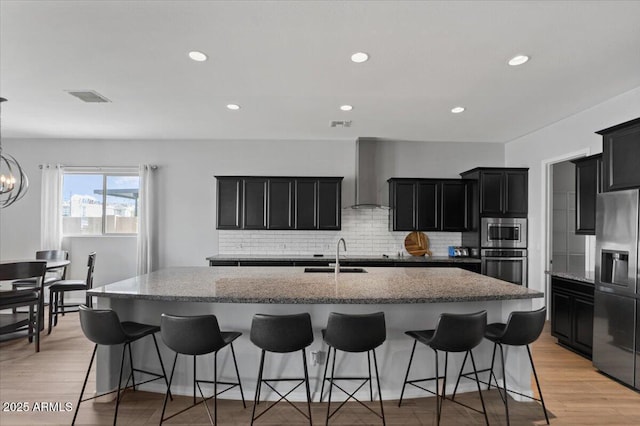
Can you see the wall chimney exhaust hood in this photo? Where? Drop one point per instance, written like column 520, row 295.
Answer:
column 368, row 191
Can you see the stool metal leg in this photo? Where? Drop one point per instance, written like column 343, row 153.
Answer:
column 194, row 379
column 370, row 384
column 115, row 418
column 333, row 369
column 324, row 376
column 455, row 389
column 166, row 396
column 84, row 385
column 215, row 388
column 475, row 370
column 504, row 384
column 235, row 363
column 257, row 395
column 164, row 373
column 493, row 360
column 406, row 377
column 437, row 389
column 306, row 382
column 535, row 375
column 133, row 379
column 375, row 363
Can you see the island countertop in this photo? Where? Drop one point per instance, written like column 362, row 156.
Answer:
column 291, row 285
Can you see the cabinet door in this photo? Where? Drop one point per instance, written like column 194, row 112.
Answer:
column 329, row 204
column 491, row 193
column 404, row 205
column 427, row 214
column 306, row 196
column 255, row 203
column 583, row 324
column 280, row 204
column 229, row 203
column 561, row 315
column 620, row 154
column 515, row 194
column 587, row 183
column 454, row 206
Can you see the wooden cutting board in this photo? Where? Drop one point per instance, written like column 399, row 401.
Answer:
column 417, row 244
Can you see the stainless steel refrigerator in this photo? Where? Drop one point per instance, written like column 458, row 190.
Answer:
column 616, row 326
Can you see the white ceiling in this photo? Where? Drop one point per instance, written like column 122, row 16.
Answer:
column 287, row 64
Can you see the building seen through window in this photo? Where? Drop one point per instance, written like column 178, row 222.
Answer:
column 100, row 203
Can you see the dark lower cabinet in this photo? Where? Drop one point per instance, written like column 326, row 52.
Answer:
column 620, row 154
column 572, row 314
column 285, row 203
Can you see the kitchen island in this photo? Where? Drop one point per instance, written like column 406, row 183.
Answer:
column 411, row 298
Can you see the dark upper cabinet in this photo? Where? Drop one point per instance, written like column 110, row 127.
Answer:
column 620, row 154
column 588, row 186
column 329, row 203
column 428, row 204
column 279, row 203
column 229, row 203
column 306, row 204
column 502, row 192
column 255, row 203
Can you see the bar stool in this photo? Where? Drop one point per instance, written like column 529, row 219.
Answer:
column 356, row 334
column 198, row 335
column 453, row 333
column 282, row 334
column 522, row 329
column 102, row 327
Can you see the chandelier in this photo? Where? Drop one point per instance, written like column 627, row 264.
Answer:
column 13, row 181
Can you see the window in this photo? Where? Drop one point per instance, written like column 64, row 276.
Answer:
column 100, row 203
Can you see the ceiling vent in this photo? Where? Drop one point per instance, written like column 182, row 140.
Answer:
column 88, row 96
column 341, row 123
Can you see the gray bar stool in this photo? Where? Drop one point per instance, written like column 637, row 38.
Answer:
column 198, row 335
column 282, row 334
column 522, row 329
column 453, row 333
column 102, row 327
column 355, row 334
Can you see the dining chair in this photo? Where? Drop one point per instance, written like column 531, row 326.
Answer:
column 30, row 297
column 59, row 288
column 52, row 275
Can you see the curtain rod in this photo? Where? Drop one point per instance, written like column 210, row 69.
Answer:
column 47, row 166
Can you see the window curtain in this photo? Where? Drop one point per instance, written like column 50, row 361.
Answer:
column 51, row 208
column 146, row 247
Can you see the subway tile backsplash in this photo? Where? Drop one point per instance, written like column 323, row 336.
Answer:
column 365, row 231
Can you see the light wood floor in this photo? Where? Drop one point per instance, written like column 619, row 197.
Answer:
column 574, row 392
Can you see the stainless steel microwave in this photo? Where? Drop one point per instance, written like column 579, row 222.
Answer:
column 507, row 232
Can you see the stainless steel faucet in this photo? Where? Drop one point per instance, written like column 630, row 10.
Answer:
column 344, row 245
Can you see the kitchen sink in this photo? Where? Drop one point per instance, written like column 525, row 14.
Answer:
column 331, row 269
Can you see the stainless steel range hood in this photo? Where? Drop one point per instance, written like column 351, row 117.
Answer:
column 368, row 191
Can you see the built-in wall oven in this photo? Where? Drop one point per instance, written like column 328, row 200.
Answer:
column 504, row 249
column 505, row 264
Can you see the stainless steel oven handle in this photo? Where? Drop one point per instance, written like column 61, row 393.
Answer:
column 504, row 258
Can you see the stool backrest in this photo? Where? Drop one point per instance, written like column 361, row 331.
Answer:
column 281, row 333
column 355, row 333
column 459, row 332
column 524, row 327
column 191, row 335
column 101, row 326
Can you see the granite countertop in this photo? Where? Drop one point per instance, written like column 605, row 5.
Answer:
column 291, row 285
column 585, row 276
column 390, row 259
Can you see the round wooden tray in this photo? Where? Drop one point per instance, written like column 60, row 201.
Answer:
column 417, row 244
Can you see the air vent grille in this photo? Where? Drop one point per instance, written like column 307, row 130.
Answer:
column 90, row 96
column 341, row 123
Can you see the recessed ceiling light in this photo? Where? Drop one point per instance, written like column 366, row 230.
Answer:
column 346, row 107
column 518, row 60
column 457, row 110
column 359, row 57
column 197, row 56
column 233, row 107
